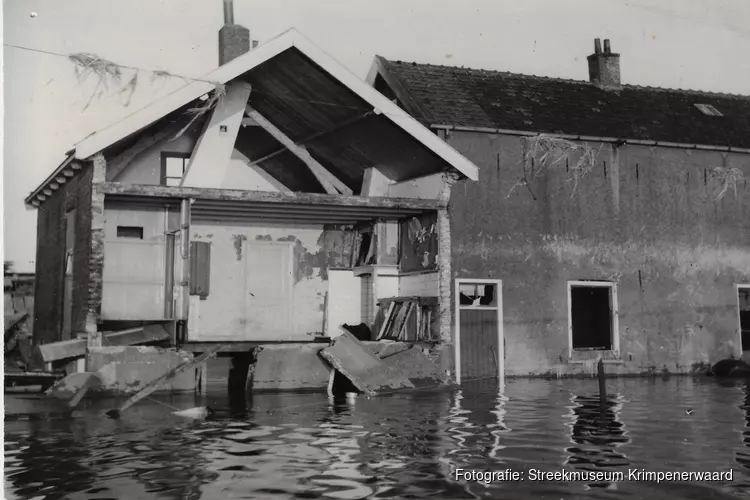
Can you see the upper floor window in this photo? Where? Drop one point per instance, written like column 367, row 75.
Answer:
column 173, row 166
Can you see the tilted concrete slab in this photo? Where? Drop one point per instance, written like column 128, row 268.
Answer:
column 299, row 367
column 364, row 369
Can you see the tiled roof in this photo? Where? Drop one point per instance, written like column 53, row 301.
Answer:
column 448, row 95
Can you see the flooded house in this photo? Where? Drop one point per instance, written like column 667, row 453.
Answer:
column 612, row 219
column 272, row 201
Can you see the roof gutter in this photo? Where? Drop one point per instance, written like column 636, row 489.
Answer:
column 615, row 140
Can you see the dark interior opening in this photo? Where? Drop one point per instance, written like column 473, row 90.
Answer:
column 477, row 295
column 591, row 312
column 130, row 232
column 744, row 297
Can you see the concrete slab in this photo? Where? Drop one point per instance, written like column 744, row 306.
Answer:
column 126, row 369
column 288, row 367
column 363, row 368
column 299, row 367
column 418, row 368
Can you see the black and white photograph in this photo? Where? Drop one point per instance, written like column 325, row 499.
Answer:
column 395, row 249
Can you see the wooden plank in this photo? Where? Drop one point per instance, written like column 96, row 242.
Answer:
column 418, row 331
column 12, row 321
column 404, row 332
column 153, row 190
column 68, row 349
column 330, row 182
column 211, row 154
column 387, row 333
column 386, row 320
column 155, row 384
column 88, row 384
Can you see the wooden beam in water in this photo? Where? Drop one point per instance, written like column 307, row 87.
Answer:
column 155, row 384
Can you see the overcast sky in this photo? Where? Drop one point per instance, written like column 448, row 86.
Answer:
column 696, row 44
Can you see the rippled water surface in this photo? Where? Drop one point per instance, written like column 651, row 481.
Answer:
column 399, row 446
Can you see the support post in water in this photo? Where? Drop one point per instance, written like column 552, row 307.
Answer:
column 602, row 383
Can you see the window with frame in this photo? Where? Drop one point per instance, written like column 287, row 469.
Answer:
column 592, row 316
column 173, row 166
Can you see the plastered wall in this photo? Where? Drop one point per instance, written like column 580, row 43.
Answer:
column 648, row 219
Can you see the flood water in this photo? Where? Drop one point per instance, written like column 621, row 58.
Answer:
column 397, row 446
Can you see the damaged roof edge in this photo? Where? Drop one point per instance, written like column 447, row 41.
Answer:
column 102, row 139
column 57, row 172
column 246, row 62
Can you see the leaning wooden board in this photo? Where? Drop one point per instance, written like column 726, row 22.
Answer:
column 153, row 385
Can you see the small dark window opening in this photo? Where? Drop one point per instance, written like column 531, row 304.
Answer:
column 744, row 298
column 130, row 232
column 173, row 166
column 591, row 314
column 477, row 295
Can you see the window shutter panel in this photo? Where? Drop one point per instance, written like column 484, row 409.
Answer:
column 200, row 268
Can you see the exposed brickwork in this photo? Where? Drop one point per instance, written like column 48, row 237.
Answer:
column 445, row 275
column 48, row 297
column 95, row 256
column 234, row 40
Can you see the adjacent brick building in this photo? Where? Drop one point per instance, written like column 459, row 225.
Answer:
column 652, row 229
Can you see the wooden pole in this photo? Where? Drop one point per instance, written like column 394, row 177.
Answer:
column 185, row 255
column 602, row 383
column 154, row 384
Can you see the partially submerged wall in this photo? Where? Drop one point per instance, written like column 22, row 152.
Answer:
column 647, row 219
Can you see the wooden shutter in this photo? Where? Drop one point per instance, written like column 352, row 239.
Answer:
column 200, row 268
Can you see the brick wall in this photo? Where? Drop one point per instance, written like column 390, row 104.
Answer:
column 421, row 285
column 48, row 296
column 366, row 299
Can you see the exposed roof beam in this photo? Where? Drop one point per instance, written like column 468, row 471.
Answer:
column 156, row 191
column 212, row 153
column 330, row 182
column 263, row 174
column 116, row 165
column 205, row 207
column 64, row 168
column 316, row 136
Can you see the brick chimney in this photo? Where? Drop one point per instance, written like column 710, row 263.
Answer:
column 234, row 40
column 604, row 66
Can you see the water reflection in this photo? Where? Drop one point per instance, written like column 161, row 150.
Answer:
column 37, row 465
column 597, row 433
column 743, row 457
column 402, row 446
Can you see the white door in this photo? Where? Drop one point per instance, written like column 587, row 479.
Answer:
column 268, row 289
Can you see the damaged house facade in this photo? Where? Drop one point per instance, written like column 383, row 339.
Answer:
column 613, row 219
column 292, row 203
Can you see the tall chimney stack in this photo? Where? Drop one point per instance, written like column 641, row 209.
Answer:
column 604, row 65
column 234, row 40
